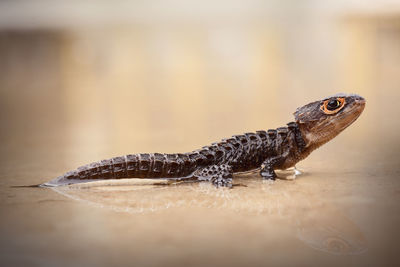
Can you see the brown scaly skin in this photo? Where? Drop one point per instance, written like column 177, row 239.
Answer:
column 281, row 148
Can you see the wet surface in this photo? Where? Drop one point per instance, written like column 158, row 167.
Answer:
column 330, row 231
column 340, row 210
column 68, row 98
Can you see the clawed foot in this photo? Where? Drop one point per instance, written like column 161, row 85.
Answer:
column 219, row 175
column 220, row 181
column 297, row 172
column 290, row 174
column 268, row 174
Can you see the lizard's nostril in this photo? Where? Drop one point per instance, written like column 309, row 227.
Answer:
column 361, row 101
column 359, row 98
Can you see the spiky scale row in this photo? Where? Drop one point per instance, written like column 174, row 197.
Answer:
column 240, row 153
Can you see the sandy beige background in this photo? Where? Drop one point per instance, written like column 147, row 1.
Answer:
column 83, row 81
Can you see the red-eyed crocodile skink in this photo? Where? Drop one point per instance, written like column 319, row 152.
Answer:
column 315, row 124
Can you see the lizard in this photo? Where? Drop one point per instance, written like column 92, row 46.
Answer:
column 275, row 149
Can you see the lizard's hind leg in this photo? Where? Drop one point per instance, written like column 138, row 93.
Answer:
column 219, row 175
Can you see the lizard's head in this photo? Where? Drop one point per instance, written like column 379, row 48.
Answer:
column 320, row 121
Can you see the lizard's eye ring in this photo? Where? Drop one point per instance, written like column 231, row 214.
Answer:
column 332, row 106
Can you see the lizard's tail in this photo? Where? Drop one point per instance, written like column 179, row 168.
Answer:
column 133, row 166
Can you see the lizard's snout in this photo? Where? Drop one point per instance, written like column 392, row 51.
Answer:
column 359, row 99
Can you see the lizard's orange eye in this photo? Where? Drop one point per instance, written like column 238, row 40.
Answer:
column 331, row 106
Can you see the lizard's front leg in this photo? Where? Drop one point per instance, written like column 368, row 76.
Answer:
column 267, row 167
column 219, row 175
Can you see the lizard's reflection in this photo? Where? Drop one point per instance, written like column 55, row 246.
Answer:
column 318, row 224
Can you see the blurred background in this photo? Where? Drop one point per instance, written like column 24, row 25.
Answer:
column 85, row 80
column 181, row 71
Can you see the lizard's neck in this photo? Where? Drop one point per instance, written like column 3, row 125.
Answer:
column 314, row 137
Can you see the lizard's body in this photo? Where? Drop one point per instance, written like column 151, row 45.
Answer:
column 279, row 148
